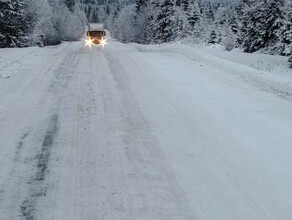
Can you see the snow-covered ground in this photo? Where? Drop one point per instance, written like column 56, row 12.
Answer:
column 270, row 73
column 142, row 132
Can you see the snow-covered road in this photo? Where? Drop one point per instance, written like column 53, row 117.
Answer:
column 125, row 133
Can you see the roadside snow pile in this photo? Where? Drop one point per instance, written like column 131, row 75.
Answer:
column 11, row 60
column 15, row 60
column 270, row 73
column 268, row 63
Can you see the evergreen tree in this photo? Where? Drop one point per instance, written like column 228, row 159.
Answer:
column 140, row 21
column 180, row 21
column 206, row 23
column 194, row 18
column 140, row 4
column 70, row 4
column 185, row 5
column 213, row 38
column 261, row 22
column 285, row 44
column 166, row 20
column 227, row 27
column 193, row 13
column 152, row 33
column 12, row 24
column 207, row 10
column 290, row 61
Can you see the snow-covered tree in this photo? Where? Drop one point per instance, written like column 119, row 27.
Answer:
column 250, row 24
column 189, row 16
column 261, row 22
column 140, row 21
column 180, row 21
column 39, row 14
column 126, row 31
column 153, row 28
column 184, row 5
column 23, row 22
column 290, row 61
column 110, row 22
column 213, row 38
column 67, row 24
column 12, row 23
column 227, row 27
column 166, row 20
column 70, row 4
column 284, row 46
column 193, row 13
column 228, row 39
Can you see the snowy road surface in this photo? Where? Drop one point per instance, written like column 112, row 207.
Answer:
column 118, row 133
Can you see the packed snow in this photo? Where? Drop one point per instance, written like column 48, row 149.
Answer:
column 144, row 132
column 187, row 128
column 270, row 73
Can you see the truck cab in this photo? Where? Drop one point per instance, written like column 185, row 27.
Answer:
column 96, row 36
column 96, row 33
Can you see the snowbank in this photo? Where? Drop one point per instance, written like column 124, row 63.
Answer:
column 13, row 60
column 269, row 73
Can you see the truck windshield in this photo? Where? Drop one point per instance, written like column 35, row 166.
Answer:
column 95, row 33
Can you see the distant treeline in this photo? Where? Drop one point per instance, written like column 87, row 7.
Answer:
column 252, row 25
column 29, row 22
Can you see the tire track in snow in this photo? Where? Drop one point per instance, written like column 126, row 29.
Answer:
column 156, row 189
column 38, row 187
column 20, row 146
